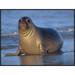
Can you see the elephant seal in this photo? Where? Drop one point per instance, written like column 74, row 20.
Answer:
column 36, row 40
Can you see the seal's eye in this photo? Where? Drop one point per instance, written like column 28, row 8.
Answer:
column 28, row 20
column 19, row 21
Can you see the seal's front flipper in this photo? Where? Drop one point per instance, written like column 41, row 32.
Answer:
column 11, row 54
column 15, row 54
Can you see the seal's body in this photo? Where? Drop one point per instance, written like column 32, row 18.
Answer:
column 35, row 40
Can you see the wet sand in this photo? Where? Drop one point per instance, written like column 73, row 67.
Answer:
column 66, row 58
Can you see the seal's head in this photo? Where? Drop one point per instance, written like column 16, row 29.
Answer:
column 25, row 24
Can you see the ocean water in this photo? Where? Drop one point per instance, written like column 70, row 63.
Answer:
column 61, row 20
column 42, row 18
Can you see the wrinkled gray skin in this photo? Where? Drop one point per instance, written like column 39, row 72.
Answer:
column 36, row 40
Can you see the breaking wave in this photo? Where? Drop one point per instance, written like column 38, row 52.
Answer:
column 10, row 40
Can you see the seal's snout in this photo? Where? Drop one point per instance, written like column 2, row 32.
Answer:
column 24, row 23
